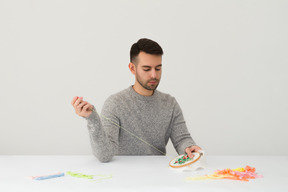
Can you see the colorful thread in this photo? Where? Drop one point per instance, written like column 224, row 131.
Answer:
column 73, row 174
column 182, row 160
column 241, row 174
column 80, row 175
column 103, row 177
column 43, row 177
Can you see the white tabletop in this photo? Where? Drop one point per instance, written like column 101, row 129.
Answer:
column 137, row 173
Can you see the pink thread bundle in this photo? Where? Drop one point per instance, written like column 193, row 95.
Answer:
column 241, row 174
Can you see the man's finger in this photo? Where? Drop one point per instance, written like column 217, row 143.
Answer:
column 195, row 148
column 74, row 100
column 189, row 153
column 78, row 101
column 80, row 106
column 86, row 107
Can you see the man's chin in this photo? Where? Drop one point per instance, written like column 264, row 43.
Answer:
column 151, row 88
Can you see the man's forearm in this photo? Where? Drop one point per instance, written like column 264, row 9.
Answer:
column 102, row 147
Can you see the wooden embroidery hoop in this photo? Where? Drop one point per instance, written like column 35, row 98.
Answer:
column 196, row 157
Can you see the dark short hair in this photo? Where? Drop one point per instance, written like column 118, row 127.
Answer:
column 146, row 45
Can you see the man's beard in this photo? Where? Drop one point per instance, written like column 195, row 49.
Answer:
column 146, row 86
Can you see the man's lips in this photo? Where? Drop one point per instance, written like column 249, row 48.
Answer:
column 152, row 82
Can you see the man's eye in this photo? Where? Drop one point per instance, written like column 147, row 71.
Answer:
column 158, row 69
column 146, row 69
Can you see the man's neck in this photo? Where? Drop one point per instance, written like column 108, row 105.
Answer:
column 142, row 91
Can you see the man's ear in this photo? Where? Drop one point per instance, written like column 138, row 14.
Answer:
column 132, row 68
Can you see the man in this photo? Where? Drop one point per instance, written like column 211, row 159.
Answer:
column 138, row 120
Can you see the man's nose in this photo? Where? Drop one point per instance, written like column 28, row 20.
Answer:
column 153, row 74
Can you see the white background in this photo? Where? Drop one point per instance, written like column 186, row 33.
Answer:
column 224, row 61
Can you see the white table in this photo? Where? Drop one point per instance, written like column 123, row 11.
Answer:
column 137, row 173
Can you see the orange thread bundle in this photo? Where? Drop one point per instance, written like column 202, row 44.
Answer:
column 241, row 174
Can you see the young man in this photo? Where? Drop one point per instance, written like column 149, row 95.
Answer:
column 138, row 120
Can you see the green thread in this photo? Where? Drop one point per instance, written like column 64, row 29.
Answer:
column 84, row 176
column 79, row 175
column 182, row 160
column 103, row 177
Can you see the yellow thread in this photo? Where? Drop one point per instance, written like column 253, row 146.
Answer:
column 239, row 169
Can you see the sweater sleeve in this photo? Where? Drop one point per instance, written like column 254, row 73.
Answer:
column 104, row 132
column 180, row 135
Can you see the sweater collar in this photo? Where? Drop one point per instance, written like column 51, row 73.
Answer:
column 142, row 97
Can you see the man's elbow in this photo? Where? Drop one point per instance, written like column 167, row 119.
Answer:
column 104, row 158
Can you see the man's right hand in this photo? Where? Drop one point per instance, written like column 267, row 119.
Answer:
column 82, row 108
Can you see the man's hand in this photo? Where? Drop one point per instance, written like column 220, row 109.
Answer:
column 191, row 149
column 82, row 108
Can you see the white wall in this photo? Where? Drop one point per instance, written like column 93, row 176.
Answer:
column 225, row 62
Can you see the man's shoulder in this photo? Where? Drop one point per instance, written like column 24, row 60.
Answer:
column 166, row 97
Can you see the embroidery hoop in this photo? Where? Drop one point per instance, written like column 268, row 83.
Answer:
column 197, row 156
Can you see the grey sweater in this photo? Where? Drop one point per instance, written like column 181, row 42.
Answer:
column 132, row 124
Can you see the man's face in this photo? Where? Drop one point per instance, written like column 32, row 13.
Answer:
column 148, row 70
